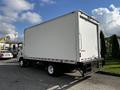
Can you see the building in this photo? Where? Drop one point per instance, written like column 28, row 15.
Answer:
column 6, row 43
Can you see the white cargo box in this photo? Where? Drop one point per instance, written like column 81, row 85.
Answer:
column 70, row 38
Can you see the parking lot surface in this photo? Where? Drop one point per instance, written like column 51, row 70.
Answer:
column 13, row 77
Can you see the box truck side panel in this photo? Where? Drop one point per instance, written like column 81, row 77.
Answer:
column 54, row 39
column 88, row 42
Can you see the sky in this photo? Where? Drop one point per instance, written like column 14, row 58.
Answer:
column 16, row 15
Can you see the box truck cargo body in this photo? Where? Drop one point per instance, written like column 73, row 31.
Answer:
column 69, row 40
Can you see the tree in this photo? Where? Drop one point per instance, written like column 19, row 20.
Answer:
column 103, row 46
column 115, row 47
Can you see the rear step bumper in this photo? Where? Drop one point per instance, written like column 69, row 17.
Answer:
column 90, row 67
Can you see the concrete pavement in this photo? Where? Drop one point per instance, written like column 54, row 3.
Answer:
column 13, row 77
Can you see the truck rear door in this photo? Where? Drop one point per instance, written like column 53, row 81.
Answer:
column 88, row 40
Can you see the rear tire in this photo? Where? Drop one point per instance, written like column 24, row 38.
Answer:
column 52, row 70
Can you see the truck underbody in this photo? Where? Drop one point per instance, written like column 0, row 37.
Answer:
column 55, row 69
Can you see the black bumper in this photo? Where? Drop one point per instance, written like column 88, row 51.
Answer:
column 90, row 66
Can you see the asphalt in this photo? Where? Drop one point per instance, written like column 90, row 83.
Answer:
column 13, row 77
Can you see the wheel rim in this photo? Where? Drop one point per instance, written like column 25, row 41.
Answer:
column 50, row 69
column 21, row 63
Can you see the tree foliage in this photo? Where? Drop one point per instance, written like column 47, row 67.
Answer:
column 103, row 46
column 115, row 47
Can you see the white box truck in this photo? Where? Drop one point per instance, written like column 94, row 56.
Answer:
column 62, row 44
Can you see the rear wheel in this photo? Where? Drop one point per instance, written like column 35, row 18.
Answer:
column 52, row 70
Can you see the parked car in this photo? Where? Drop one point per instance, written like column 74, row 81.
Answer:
column 5, row 54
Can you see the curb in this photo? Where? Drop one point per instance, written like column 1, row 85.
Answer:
column 9, row 60
column 108, row 73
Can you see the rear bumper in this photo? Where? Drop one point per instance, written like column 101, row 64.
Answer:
column 6, row 57
column 91, row 65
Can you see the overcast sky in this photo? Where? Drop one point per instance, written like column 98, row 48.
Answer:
column 16, row 15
